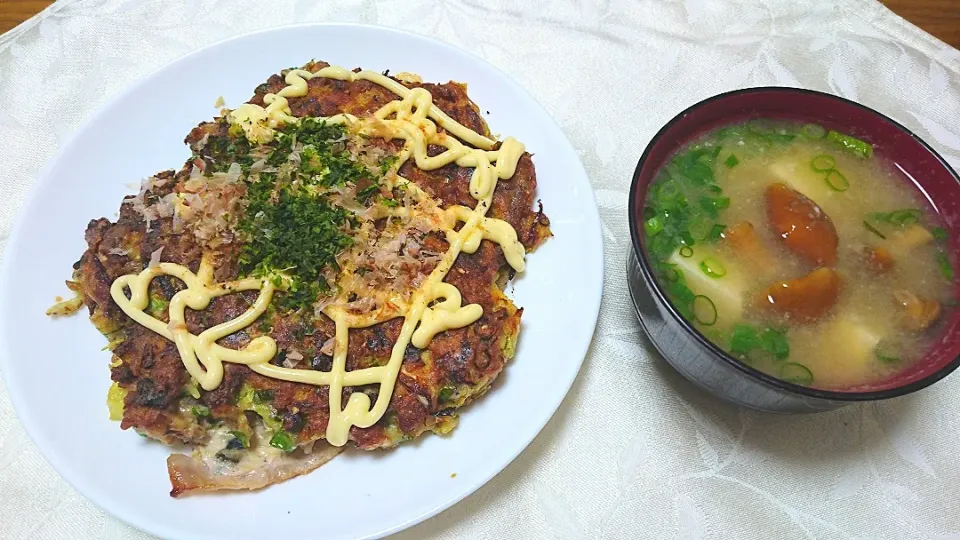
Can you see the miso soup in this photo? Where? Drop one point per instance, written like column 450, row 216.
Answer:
column 800, row 252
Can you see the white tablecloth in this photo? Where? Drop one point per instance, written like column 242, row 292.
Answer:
column 634, row 451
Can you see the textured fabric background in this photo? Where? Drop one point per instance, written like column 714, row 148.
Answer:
column 634, row 451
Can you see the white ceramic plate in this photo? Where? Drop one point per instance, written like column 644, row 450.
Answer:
column 57, row 374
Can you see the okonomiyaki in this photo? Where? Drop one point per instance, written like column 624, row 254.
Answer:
column 326, row 270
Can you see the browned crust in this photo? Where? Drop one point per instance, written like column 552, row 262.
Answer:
column 468, row 359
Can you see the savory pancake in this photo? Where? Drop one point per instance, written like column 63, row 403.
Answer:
column 345, row 230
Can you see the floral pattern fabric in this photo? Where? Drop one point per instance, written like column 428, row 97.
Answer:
column 635, row 451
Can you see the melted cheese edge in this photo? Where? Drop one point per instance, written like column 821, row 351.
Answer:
column 435, row 306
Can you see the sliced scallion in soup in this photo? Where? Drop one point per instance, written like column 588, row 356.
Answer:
column 799, row 251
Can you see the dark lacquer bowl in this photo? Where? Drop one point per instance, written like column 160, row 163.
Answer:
column 692, row 354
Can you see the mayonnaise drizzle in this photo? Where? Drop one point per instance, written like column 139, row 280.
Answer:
column 434, row 307
column 203, row 349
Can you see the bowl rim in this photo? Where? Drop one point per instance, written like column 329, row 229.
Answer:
column 634, row 206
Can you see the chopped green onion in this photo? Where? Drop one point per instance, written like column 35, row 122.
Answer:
column 940, row 233
column 445, row 393
column 700, row 228
column 761, row 127
column 899, row 218
column 671, row 274
column 943, row 260
column 241, row 438
column 713, row 268
column 782, row 137
column 873, row 229
column 284, row 441
column 200, row 411
column 905, row 217
column 886, row 353
column 686, row 252
column 716, row 232
column 669, row 191
column 700, row 173
column 653, row 226
column 743, row 340
column 823, row 163
column 775, row 342
column 704, row 310
column 837, row 181
column 746, row 339
column 682, row 298
column 709, row 206
column 813, row 131
column 262, row 396
column 157, row 305
column 795, row 373
column 855, row 146
column 731, row 161
column 683, row 295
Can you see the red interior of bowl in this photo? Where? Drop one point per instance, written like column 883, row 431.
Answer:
column 920, row 165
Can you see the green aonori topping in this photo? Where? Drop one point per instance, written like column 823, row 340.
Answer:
column 296, row 233
column 221, row 152
column 292, row 229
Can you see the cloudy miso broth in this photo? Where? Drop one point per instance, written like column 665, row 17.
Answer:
column 800, row 252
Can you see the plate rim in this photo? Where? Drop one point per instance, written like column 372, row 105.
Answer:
column 42, row 178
